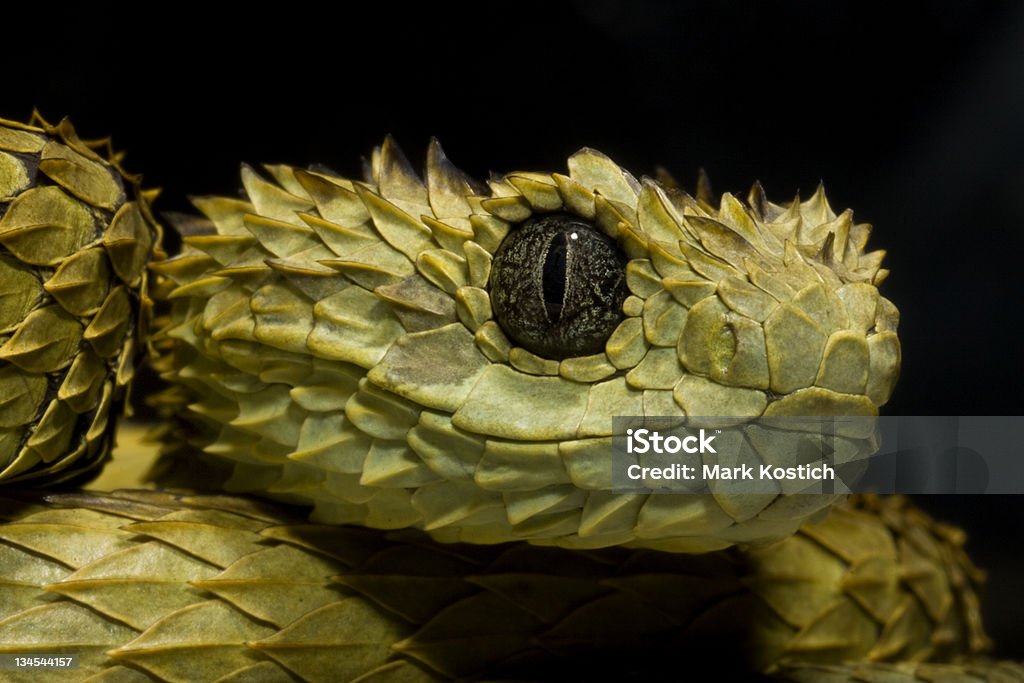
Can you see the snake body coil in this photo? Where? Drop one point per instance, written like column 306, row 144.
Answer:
column 205, row 587
column 75, row 237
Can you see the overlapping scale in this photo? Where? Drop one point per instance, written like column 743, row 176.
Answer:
column 144, row 585
column 76, row 234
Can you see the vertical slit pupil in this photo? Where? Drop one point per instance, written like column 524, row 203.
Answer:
column 554, row 276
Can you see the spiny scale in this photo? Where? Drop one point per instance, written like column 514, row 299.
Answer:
column 75, row 237
column 187, row 587
column 336, row 341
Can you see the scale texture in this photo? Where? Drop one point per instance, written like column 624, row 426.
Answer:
column 76, row 235
column 188, row 587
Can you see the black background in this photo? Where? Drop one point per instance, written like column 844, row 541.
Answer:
column 914, row 116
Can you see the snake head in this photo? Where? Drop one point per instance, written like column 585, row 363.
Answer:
column 433, row 352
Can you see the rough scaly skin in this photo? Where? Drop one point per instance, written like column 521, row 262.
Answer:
column 188, row 587
column 336, row 343
column 75, row 237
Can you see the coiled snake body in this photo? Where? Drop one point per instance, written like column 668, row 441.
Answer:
column 435, row 354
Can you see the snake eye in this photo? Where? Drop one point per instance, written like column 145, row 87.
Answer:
column 557, row 285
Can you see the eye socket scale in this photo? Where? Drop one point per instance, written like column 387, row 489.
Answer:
column 557, row 285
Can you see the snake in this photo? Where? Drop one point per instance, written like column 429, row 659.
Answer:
column 422, row 373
